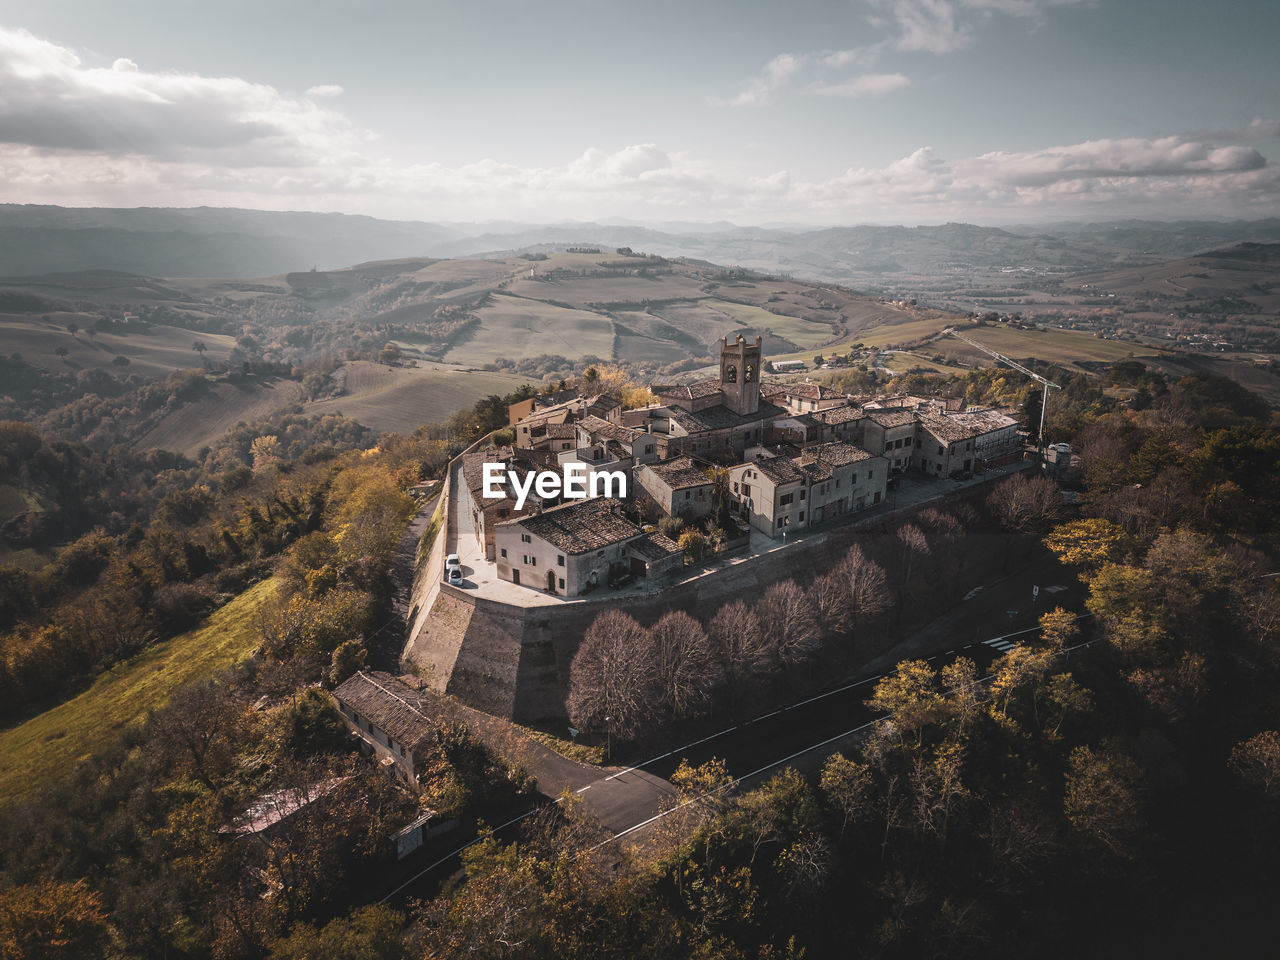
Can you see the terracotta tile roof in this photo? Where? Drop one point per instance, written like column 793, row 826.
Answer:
column 403, row 713
column 890, row 418
column 837, row 453
column 581, row 526
column 679, row 473
column 836, row 415
column 597, row 427
column 687, row 391
column 654, row 546
column 721, row 417
column 779, row 469
column 948, row 429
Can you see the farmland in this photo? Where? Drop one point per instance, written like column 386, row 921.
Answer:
column 153, row 351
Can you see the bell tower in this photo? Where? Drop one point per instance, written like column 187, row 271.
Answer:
column 740, row 374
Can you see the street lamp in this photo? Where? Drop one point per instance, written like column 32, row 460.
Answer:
column 608, row 737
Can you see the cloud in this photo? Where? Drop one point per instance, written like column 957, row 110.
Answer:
column 931, row 26
column 777, row 73
column 1259, row 128
column 325, row 90
column 124, row 136
column 53, row 101
column 866, row 85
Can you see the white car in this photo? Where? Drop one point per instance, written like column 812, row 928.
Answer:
column 452, row 569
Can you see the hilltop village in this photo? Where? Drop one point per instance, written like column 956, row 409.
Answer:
column 723, row 457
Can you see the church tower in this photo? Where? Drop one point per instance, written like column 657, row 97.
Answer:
column 740, row 375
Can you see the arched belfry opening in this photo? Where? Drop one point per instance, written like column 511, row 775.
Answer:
column 741, row 394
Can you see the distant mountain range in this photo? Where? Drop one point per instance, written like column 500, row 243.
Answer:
column 231, row 243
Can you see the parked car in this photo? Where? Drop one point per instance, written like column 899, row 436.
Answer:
column 452, row 569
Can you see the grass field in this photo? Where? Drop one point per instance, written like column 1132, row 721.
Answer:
column 199, row 424
column 515, row 328
column 803, row 333
column 156, row 353
column 401, row 399
column 53, row 742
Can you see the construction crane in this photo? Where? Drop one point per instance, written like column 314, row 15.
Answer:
column 952, row 331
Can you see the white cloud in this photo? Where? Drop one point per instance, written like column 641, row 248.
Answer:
column 124, row 136
column 325, row 90
column 1259, row 128
column 53, row 101
column 777, row 73
column 866, row 85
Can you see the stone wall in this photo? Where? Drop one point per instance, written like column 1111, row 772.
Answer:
column 514, row 661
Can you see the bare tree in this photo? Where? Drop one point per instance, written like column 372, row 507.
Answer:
column 865, row 581
column 685, row 667
column 739, row 643
column 832, row 608
column 786, row 617
column 612, row 675
column 912, row 543
column 1026, row 505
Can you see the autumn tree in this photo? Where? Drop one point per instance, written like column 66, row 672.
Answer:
column 1102, row 798
column 1257, row 761
column 51, row 920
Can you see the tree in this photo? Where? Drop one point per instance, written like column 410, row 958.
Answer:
column 199, row 347
column 694, row 544
column 611, row 678
column 847, row 785
column 1089, row 544
column 120, row 360
column 73, row 329
column 1026, row 504
column 685, row 667
column 833, row 610
column 912, row 543
column 61, row 351
column 865, row 580
column 740, row 644
column 51, row 920
column 1059, row 629
column 787, row 619
column 1102, row 798
column 389, row 354
column 909, row 696
column 1257, row 761
column 369, row 933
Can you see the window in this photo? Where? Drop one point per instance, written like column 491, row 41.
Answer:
column 562, row 583
column 560, row 562
column 688, row 494
column 533, row 561
column 785, row 499
column 735, row 486
column 502, row 511
column 939, row 449
column 648, row 448
column 855, row 480
column 802, row 495
column 525, row 538
column 870, row 474
column 504, row 553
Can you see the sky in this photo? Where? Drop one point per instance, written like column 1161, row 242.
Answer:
column 814, row 112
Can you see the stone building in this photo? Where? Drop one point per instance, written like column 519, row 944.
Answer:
column 573, row 549
column 391, row 717
column 678, row 488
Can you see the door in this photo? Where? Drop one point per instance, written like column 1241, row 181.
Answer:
column 515, row 576
column 551, row 581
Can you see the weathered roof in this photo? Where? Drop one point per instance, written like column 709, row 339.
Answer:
column 598, row 427
column 687, row 391
column 984, row 421
column 773, row 388
column 679, row 473
column 812, row 391
column 721, row 417
column 654, row 546
column 561, row 431
column 601, row 403
column 580, row 526
column 837, row 453
column 779, row 469
column 890, row 418
column 405, row 714
column 834, row 415
column 815, row 472
column 948, row 429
